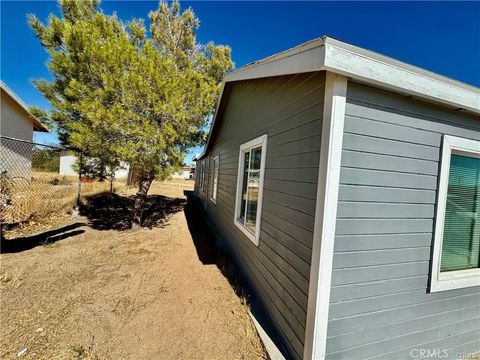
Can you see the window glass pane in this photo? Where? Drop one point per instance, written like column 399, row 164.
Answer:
column 215, row 179
column 200, row 177
column 252, row 207
column 246, row 164
column 461, row 235
column 254, row 172
column 256, row 158
column 212, row 169
column 253, row 187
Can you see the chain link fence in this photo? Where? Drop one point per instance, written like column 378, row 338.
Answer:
column 32, row 187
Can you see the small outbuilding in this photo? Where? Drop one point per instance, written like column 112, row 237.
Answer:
column 68, row 163
column 185, row 173
column 346, row 186
column 17, row 125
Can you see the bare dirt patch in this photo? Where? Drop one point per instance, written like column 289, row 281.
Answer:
column 91, row 291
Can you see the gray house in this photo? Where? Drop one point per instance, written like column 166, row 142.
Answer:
column 346, row 186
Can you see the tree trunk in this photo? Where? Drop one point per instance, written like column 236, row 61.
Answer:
column 144, row 184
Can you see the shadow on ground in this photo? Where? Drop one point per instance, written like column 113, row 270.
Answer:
column 210, row 254
column 202, row 238
column 207, row 250
column 107, row 211
column 46, row 238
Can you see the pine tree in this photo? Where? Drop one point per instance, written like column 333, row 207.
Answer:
column 122, row 92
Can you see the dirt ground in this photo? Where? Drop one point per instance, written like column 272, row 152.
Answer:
column 92, row 290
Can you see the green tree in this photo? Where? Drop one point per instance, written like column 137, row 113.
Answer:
column 46, row 159
column 123, row 92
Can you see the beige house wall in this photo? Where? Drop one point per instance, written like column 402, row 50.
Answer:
column 15, row 156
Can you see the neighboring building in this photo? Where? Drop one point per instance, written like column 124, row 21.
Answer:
column 16, row 123
column 346, row 186
column 68, row 161
column 185, row 173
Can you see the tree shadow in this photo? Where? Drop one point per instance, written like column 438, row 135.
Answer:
column 105, row 211
column 110, row 211
column 46, row 238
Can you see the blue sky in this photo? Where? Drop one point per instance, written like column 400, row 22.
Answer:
column 443, row 37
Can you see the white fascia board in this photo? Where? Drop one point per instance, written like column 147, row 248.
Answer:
column 364, row 66
column 380, row 71
column 304, row 58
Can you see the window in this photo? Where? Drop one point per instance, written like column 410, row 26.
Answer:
column 200, row 176
column 214, row 184
column 204, row 176
column 251, row 170
column 456, row 252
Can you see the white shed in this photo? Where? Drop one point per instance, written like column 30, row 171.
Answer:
column 68, row 159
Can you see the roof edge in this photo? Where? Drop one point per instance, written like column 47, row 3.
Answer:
column 305, row 57
column 382, row 71
column 366, row 66
column 37, row 125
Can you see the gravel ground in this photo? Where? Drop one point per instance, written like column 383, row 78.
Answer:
column 92, row 290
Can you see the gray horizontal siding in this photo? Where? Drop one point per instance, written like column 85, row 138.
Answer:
column 368, row 144
column 353, row 159
column 387, row 179
column 407, row 326
column 380, row 307
column 384, row 210
column 289, row 110
column 370, row 193
column 359, row 242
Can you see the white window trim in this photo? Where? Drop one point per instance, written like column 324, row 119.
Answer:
column 260, row 141
column 213, row 195
column 461, row 278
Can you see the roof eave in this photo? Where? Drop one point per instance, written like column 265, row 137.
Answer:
column 37, row 125
column 382, row 71
column 361, row 65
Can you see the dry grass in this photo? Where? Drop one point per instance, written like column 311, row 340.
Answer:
column 107, row 294
column 46, row 196
column 29, row 206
